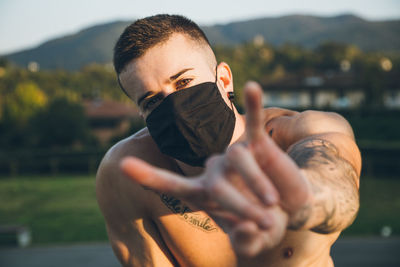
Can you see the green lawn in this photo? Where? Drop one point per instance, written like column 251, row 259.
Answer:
column 59, row 209
column 380, row 206
column 64, row 209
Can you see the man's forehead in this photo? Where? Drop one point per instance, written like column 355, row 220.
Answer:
column 161, row 62
column 179, row 51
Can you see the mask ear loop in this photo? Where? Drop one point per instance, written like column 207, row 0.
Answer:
column 230, row 95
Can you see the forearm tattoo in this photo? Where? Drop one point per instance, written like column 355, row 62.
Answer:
column 333, row 181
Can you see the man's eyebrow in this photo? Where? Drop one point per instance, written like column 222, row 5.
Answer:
column 175, row 76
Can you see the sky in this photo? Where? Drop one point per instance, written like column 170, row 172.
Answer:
column 28, row 23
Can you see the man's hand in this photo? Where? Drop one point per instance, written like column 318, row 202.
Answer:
column 252, row 190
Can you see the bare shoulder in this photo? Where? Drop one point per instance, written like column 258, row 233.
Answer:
column 139, row 145
column 126, row 206
column 312, row 120
column 113, row 188
column 288, row 127
column 324, row 122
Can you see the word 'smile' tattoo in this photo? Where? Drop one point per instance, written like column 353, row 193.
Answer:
column 185, row 213
column 331, row 176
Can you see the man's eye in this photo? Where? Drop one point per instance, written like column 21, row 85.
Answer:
column 151, row 102
column 182, row 83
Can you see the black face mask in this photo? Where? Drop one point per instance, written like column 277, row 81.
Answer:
column 192, row 124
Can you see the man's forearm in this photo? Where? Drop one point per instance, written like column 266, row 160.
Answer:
column 335, row 200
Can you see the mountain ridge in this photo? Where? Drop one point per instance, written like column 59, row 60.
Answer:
column 94, row 44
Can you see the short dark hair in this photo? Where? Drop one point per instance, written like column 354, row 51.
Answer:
column 145, row 33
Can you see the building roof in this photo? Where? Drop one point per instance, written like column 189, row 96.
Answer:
column 108, row 109
column 330, row 80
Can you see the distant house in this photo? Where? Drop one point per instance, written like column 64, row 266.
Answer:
column 109, row 118
column 329, row 90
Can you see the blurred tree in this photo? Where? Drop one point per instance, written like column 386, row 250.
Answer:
column 248, row 61
column 99, row 81
column 23, row 102
column 24, row 93
column 18, row 107
column 294, row 58
column 61, row 124
column 329, row 55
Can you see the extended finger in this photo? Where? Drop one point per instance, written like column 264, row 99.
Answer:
column 286, row 176
column 159, row 179
column 254, row 123
column 243, row 161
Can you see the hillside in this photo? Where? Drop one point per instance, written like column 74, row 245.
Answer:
column 309, row 31
column 95, row 44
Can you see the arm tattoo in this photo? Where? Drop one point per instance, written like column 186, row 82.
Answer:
column 176, row 206
column 195, row 219
column 333, row 181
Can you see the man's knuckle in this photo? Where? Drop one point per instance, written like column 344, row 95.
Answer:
column 235, row 151
column 216, row 188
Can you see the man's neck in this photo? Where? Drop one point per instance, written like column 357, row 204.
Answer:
column 188, row 170
column 240, row 126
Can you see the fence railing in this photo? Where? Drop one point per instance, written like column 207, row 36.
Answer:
column 377, row 161
column 50, row 162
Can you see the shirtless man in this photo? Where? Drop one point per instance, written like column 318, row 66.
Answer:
column 202, row 185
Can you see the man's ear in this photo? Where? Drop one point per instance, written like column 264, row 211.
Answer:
column 224, row 77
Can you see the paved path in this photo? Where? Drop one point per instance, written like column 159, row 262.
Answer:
column 354, row 252
column 97, row 255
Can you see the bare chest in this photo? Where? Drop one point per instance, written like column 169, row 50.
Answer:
column 194, row 239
